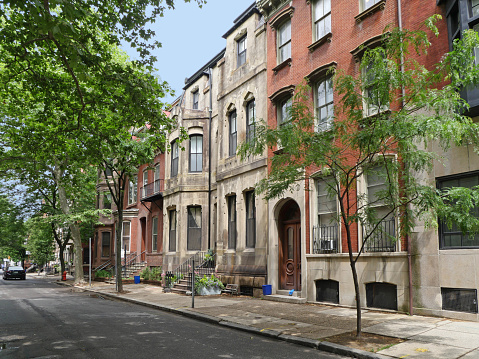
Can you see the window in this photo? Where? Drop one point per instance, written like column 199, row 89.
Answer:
column 172, row 236
column 156, row 178
column 106, row 200
column 241, row 48
column 125, row 237
column 284, row 111
column 366, row 4
column 174, row 159
column 250, row 219
column 381, row 295
column 453, row 237
column 459, row 300
column 144, row 188
column 232, row 222
column 194, row 229
column 196, row 97
column 461, row 16
column 375, row 97
column 250, row 120
column 196, row 153
column 132, row 190
column 284, row 42
column 327, row 290
column 383, row 237
column 474, row 8
column 154, row 234
column 325, row 234
column 321, row 18
column 324, row 93
column 105, row 244
column 145, row 178
column 233, row 133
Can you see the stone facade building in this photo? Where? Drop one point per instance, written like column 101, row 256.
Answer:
column 200, row 195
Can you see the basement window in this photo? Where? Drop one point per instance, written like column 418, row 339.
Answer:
column 327, row 291
column 459, row 299
column 381, row 295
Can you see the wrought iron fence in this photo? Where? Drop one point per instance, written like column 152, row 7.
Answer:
column 325, row 239
column 383, row 239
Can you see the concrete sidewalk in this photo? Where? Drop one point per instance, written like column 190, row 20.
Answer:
column 308, row 324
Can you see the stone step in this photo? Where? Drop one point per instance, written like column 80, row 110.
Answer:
column 178, row 290
column 286, row 292
column 284, row 298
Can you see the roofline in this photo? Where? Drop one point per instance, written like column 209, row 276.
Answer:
column 242, row 18
column 199, row 73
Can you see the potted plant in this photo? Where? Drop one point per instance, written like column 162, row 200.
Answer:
column 208, row 285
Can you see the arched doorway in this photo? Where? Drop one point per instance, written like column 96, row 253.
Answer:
column 290, row 246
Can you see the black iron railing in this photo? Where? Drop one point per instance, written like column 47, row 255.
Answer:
column 132, row 260
column 383, row 239
column 325, row 239
column 201, row 263
column 152, row 189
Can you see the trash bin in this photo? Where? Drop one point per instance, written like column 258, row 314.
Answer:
column 267, row 289
column 137, row 279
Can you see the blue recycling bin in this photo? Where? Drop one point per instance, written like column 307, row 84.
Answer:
column 137, row 279
column 267, row 289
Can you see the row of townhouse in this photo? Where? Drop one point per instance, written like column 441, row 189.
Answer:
column 200, row 195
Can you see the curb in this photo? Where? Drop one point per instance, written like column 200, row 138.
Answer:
column 311, row 343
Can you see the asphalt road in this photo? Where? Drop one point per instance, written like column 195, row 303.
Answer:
column 40, row 319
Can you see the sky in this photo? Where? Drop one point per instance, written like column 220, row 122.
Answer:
column 190, row 37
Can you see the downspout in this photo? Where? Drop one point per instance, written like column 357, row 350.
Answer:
column 209, row 158
column 408, row 239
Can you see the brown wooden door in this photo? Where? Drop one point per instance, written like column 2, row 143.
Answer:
column 291, row 256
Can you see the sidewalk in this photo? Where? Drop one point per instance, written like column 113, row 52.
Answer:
column 309, row 324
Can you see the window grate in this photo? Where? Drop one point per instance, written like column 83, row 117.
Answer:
column 459, row 300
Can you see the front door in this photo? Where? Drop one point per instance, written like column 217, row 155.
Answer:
column 292, row 256
column 290, row 247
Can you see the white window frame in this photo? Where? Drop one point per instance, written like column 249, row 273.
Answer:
column 366, row 4
column 314, row 194
column 370, row 109
column 324, row 123
column 363, row 192
column 284, row 43
column 284, row 110
column 124, row 236
column 133, row 190
column 321, row 18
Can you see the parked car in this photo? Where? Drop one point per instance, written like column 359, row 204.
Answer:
column 14, row 272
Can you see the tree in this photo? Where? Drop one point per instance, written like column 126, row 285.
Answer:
column 408, row 110
column 40, row 241
column 62, row 77
column 12, row 231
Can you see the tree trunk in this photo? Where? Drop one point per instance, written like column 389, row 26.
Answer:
column 62, row 259
column 74, row 228
column 355, row 280
column 119, row 283
column 358, row 299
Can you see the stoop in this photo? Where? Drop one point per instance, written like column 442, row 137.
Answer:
column 283, row 296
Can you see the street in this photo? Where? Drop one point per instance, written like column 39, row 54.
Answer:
column 40, row 319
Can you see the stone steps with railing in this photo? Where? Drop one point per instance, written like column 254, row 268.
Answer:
column 204, row 264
